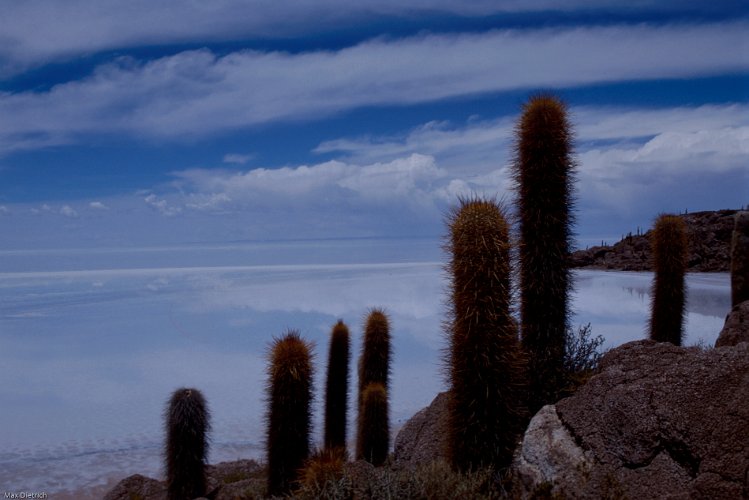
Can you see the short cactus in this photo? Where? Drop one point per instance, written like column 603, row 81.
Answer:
column 374, row 426
column 374, row 364
column 336, row 388
column 486, row 408
column 668, row 298
column 289, row 413
column 187, row 423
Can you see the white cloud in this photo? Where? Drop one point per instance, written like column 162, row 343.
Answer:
column 86, row 26
column 162, row 205
column 199, row 93
column 238, row 159
column 97, row 205
column 68, row 211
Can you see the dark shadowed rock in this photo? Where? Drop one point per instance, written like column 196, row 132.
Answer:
column 424, row 437
column 226, row 480
column 659, row 421
column 137, row 486
column 736, row 327
column 709, row 234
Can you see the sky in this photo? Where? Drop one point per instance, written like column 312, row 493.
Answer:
column 148, row 123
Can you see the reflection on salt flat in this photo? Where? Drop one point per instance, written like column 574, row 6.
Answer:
column 90, row 357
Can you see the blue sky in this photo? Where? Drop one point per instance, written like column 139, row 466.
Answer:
column 150, row 123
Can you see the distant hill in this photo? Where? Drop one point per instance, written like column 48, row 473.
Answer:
column 709, row 247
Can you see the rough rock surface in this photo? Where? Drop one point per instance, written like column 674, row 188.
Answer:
column 423, row 438
column 736, row 327
column 659, row 421
column 226, row 480
column 740, row 259
column 709, row 236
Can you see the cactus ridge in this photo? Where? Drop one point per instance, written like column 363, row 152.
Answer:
column 544, row 174
column 375, row 428
column 336, row 389
column 486, row 365
column 187, row 424
column 668, row 296
column 289, row 410
column 374, row 366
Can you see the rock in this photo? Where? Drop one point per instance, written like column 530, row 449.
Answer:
column 549, row 453
column 226, row 480
column 659, row 421
column 137, row 486
column 709, row 235
column 736, row 327
column 423, row 438
column 740, row 259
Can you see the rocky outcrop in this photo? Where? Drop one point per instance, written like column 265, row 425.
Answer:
column 659, row 421
column 709, row 236
column 423, row 438
column 226, row 480
column 736, row 327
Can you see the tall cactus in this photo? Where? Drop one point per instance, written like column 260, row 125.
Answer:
column 289, row 412
column 336, row 388
column 486, row 411
column 187, row 423
column 374, row 365
column 375, row 428
column 740, row 259
column 668, row 298
column 544, row 174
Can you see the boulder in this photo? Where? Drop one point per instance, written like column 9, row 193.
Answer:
column 423, row 438
column 658, row 421
column 226, row 480
column 736, row 327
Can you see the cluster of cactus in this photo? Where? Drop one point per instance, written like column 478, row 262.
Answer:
column 187, row 424
column 669, row 243
column 487, row 367
column 544, row 175
column 373, row 430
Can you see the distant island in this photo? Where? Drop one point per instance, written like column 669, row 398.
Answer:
column 709, row 246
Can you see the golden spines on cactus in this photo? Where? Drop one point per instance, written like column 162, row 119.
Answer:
column 668, row 296
column 486, row 411
column 289, row 410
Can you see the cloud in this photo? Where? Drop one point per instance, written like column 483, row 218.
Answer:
column 86, row 27
column 97, row 205
column 237, row 159
column 200, row 93
column 4, row 210
column 162, row 206
column 68, row 211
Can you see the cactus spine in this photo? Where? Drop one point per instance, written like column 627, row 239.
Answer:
column 289, row 414
column 187, row 423
column 375, row 431
column 740, row 259
column 486, row 413
column 374, row 367
column 669, row 242
column 543, row 171
column 336, row 388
